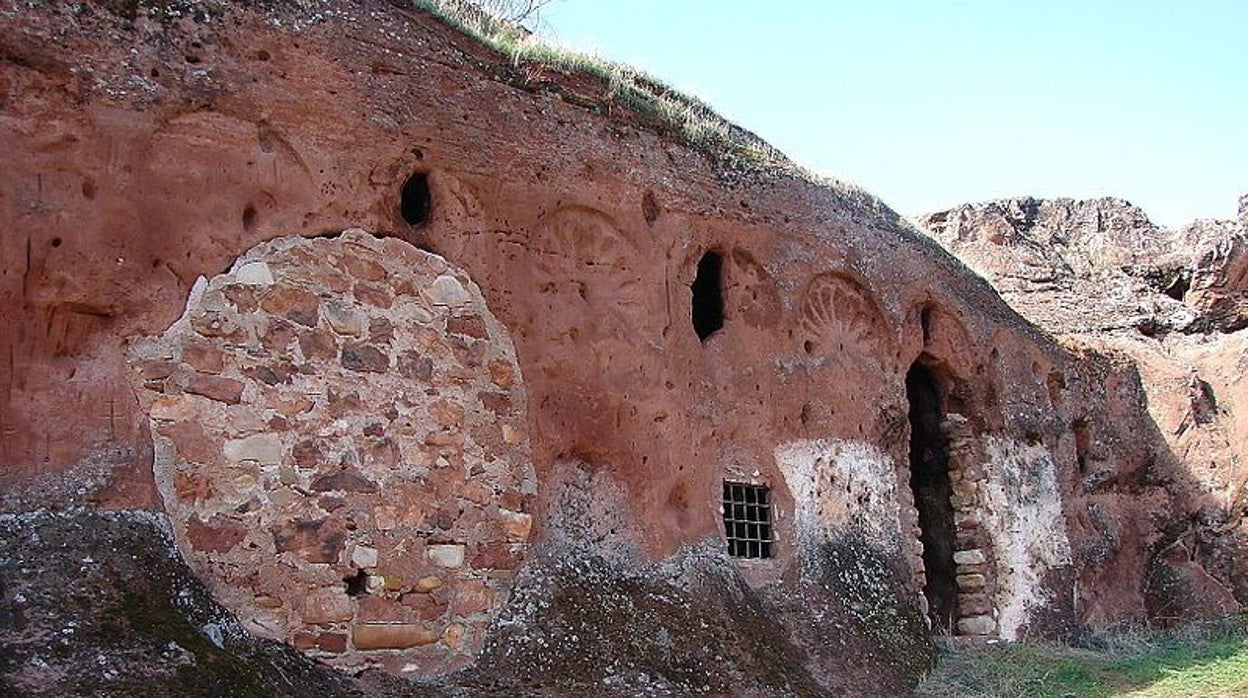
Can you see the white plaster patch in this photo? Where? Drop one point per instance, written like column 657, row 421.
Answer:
column 838, row 485
column 1023, row 515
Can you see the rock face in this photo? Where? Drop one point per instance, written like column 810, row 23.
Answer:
column 354, row 461
column 371, row 491
column 1101, row 266
column 1101, row 276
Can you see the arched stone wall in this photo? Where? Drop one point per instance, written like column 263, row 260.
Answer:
column 341, row 444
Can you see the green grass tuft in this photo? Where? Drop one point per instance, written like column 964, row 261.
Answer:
column 1200, row 660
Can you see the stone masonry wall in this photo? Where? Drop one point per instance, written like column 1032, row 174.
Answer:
column 973, row 556
column 341, row 445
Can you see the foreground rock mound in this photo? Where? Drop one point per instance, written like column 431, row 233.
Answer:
column 99, row 604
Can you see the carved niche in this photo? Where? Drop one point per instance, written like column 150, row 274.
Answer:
column 839, row 319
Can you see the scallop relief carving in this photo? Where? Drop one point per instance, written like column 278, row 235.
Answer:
column 839, row 319
column 588, row 273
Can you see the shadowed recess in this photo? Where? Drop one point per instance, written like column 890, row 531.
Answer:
column 708, row 296
column 929, row 479
column 415, row 202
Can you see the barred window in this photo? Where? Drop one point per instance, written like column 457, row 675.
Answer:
column 747, row 520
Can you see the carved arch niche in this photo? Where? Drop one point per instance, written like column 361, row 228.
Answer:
column 428, row 206
column 952, row 403
column 839, row 319
column 937, row 333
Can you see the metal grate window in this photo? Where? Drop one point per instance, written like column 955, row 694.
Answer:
column 747, row 520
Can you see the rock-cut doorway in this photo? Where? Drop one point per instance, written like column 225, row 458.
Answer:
column 932, row 489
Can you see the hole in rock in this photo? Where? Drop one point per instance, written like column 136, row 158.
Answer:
column 925, row 322
column 1179, row 287
column 708, row 296
column 357, row 585
column 747, row 520
column 929, row 480
column 1056, row 383
column 56, row 242
column 649, row 207
column 414, row 199
column 1083, row 442
column 249, row 217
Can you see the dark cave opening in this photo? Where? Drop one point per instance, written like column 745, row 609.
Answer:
column 415, row 201
column 925, row 323
column 708, row 296
column 929, row 481
column 357, row 584
column 1179, row 285
column 1083, row 441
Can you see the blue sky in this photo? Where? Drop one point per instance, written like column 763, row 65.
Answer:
column 928, row 104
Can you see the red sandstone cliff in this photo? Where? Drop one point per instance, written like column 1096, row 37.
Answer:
column 680, row 319
column 1099, row 274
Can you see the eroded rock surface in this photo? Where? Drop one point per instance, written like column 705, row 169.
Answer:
column 1100, row 265
column 681, row 319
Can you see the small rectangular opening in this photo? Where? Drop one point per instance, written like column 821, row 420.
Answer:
column 747, row 520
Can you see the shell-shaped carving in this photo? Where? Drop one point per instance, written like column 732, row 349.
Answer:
column 588, row 272
column 839, row 317
column 587, row 238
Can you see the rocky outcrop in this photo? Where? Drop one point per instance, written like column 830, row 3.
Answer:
column 100, row 604
column 333, row 424
column 1101, row 266
column 1099, row 275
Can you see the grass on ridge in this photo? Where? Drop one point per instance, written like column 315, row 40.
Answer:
column 699, row 125
column 1208, row 660
column 627, row 86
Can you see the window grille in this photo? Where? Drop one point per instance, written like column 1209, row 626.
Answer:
column 747, row 520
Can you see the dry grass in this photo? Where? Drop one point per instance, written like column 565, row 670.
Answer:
column 1199, row 660
column 628, row 88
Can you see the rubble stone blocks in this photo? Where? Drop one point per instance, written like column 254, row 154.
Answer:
column 342, row 447
column 977, row 625
column 974, row 576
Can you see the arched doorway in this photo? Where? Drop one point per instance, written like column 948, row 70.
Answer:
column 932, row 489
